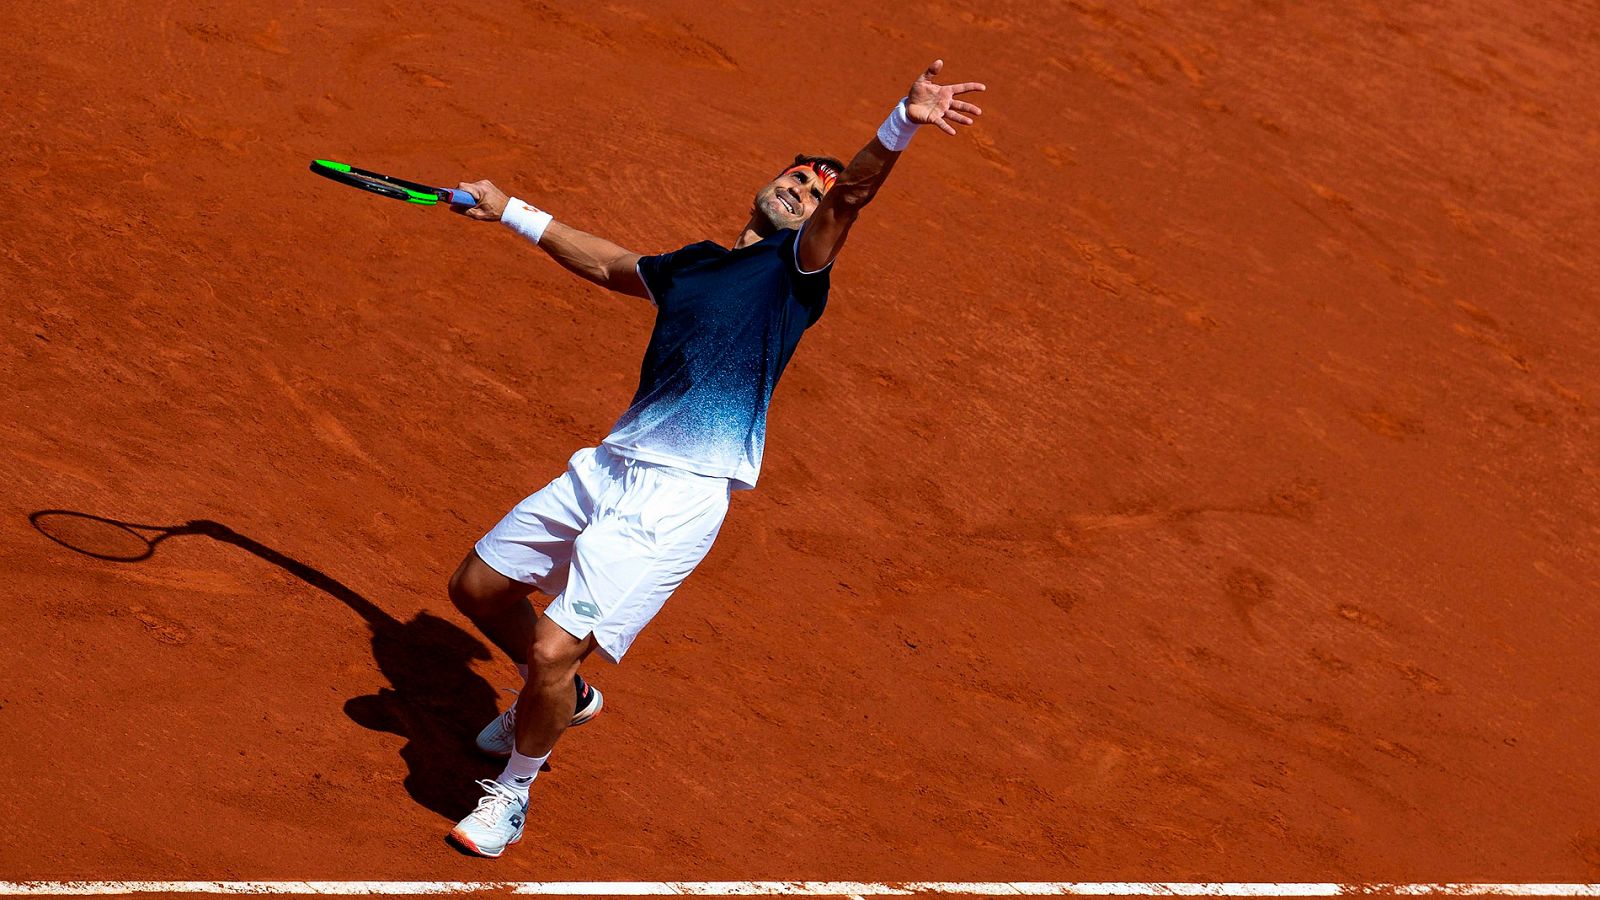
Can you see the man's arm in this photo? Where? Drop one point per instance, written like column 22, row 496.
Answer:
column 926, row 103
column 583, row 254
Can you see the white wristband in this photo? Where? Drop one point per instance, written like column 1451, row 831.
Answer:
column 526, row 219
column 896, row 131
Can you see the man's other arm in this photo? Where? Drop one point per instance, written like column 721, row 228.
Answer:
column 589, row 257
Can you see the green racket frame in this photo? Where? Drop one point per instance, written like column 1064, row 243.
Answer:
column 389, row 186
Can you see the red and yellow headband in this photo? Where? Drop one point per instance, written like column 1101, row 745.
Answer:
column 825, row 173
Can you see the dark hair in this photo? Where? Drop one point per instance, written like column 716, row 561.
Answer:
column 801, row 159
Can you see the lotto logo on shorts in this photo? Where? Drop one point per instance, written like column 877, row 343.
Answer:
column 586, row 609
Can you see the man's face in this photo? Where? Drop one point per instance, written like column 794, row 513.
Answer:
column 791, row 198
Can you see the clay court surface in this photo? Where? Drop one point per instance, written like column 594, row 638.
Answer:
column 1194, row 476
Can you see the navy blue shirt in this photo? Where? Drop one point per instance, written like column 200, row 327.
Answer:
column 727, row 322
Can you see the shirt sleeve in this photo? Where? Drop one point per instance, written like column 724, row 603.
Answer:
column 810, row 288
column 658, row 271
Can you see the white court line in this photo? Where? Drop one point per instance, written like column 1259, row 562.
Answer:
column 848, row 890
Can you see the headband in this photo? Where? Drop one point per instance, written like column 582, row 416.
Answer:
column 825, row 173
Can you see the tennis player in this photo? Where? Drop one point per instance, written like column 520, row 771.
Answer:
column 611, row 538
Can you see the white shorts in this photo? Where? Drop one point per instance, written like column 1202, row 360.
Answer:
column 610, row 540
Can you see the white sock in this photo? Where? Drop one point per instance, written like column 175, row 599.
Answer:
column 521, row 771
column 522, row 669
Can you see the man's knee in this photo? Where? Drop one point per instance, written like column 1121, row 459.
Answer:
column 554, row 656
column 476, row 589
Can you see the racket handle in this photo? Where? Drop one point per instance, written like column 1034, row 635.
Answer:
column 459, row 197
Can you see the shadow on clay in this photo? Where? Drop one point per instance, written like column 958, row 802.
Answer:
column 434, row 700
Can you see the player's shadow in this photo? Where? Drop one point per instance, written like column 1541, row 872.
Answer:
column 434, row 699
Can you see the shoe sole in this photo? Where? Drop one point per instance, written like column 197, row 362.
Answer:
column 467, row 844
column 599, row 704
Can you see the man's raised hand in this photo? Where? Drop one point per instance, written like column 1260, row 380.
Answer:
column 928, row 103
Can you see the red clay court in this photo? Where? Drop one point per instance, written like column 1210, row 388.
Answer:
column 1194, row 478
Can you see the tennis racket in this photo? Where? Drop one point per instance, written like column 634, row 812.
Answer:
column 387, row 186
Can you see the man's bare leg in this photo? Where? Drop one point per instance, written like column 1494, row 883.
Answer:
column 497, row 605
column 543, row 711
column 544, row 708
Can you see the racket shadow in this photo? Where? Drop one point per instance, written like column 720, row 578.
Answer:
column 434, row 699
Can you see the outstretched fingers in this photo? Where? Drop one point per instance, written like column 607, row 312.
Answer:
column 935, row 104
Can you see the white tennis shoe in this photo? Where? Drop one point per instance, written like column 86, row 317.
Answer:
column 498, row 737
column 495, row 824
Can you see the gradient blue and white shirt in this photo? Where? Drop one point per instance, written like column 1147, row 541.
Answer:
column 727, row 322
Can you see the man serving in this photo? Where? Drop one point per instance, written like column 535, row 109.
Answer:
column 613, row 536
